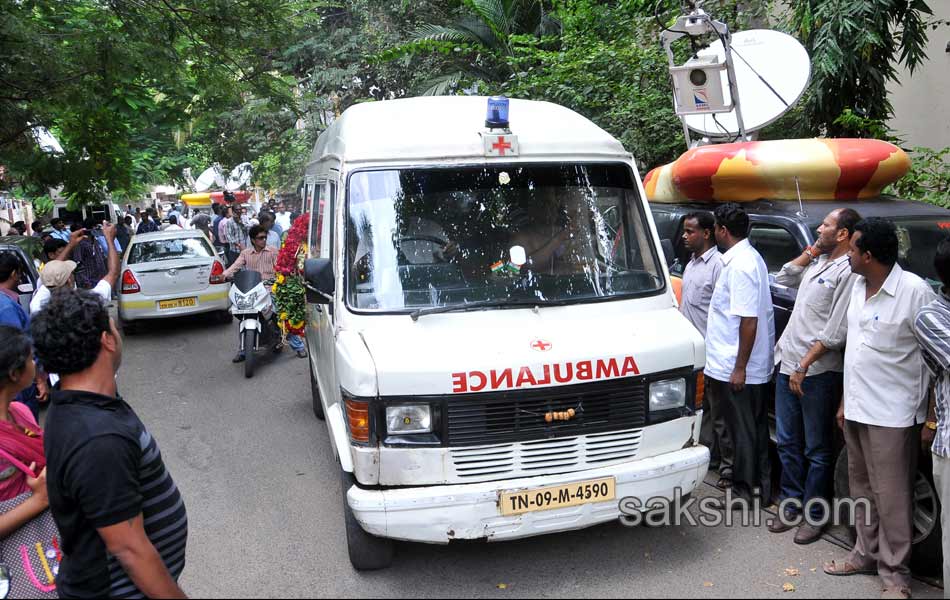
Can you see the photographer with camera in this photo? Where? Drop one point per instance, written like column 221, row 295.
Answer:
column 91, row 260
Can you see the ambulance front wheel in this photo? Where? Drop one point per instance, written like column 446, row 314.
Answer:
column 367, row 552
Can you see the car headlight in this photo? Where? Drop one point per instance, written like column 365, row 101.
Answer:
column 668, row 395
column 409, row 419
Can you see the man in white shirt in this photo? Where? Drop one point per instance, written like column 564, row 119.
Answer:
column 740, row 343
column 886, row 383
column 699, row 283
column 283, row 217
column 58, row 274
column 173, row 224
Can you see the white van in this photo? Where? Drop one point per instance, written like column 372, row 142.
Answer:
column 494, row 343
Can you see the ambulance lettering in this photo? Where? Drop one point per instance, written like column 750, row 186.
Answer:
column 526, row 377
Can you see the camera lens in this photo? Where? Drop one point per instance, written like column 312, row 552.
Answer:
column 698, row 77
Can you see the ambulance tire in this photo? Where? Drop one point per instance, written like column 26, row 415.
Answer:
column 367, row 552
column 315, row 395
column 927, row 557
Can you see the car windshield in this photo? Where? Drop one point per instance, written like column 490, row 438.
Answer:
column 159, row 250
column 444, row 237
column 918, row 239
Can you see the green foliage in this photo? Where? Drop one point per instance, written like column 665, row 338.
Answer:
column 607, row 66
column 856, row 47
column 119, row 82
column 479, row 41
column 43, row 206
column 929, row 178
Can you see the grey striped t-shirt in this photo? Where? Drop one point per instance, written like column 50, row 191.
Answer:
column 104, row 468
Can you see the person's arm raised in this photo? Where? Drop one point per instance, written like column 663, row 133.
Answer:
column 115, row 264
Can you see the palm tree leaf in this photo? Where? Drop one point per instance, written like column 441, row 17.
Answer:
column 441, row 85
column 439, row 33
column 494, row 14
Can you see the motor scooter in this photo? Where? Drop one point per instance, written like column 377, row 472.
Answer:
column 251, row 303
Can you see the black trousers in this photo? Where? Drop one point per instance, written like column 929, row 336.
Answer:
column 715, row 436
column 747, row 421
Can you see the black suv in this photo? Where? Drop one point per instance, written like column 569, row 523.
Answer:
column 780, row 231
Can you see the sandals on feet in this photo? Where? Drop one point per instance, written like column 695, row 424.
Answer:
column 846, row 569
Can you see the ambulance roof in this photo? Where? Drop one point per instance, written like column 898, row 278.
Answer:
column 448, row 127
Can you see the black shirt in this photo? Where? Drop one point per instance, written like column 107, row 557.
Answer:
column 103, row 468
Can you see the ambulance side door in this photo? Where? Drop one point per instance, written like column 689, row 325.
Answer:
column 322, row 316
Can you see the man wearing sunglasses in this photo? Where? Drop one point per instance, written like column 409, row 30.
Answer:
column 262, row 258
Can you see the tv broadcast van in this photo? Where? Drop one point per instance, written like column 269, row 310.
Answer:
column 494, row 343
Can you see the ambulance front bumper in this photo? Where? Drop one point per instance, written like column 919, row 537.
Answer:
column 439, row 514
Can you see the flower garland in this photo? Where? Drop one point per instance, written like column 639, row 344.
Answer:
column 289, row 291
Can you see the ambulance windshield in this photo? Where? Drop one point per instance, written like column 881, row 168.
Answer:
column 443, row 237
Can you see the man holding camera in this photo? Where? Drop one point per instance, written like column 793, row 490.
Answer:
column 90, row 258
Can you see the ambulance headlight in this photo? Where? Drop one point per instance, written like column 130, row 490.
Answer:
column 408, row 419
column 667, row 395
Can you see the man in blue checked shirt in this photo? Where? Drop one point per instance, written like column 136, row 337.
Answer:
column 932, row 328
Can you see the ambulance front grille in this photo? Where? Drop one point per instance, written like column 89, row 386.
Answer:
column 546, row 457
column 519, row 415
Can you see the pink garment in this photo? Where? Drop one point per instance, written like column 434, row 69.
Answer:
column 25, row 448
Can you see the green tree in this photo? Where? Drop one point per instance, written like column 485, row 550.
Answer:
column 116, row 81
column 479, row 41
column 856, row 47
column 608, row 66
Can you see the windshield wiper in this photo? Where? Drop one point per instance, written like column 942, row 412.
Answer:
column 483, row 305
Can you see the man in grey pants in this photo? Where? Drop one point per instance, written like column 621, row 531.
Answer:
column 933, row 332
column 885, row 389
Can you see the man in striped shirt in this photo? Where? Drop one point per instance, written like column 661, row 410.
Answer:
column 262, row 258
column 259, row 257
column 123, row 522
column 932, row 328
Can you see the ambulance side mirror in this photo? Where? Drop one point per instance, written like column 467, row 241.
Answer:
column 320, row 282
column 668, row 252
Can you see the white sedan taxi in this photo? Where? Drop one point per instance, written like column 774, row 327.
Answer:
column 171, row 274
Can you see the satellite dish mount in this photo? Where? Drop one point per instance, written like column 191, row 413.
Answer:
column 697, row 85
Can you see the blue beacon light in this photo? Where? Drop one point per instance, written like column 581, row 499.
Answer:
column 497, row 117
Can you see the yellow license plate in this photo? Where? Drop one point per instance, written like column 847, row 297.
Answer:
column 177, row 303
column 561, row 496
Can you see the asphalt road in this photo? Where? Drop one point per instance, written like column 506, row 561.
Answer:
column 265, row 507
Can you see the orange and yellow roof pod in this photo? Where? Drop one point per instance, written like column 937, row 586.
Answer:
column 826, row 169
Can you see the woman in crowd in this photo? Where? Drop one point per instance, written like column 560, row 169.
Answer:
column 21, row 438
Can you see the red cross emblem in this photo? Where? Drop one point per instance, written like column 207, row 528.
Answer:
column 541, row 345
column 502, row 145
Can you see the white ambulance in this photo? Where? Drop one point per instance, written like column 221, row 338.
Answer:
column 494, row 342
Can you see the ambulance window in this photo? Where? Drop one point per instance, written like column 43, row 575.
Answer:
column 314, row 203
column 440, row 237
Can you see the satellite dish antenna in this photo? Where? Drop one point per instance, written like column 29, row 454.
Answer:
column 772, row 70
column 240, row 176
column 211, row 176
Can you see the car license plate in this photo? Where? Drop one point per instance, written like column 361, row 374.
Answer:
column 177, row 303
column 561, row 496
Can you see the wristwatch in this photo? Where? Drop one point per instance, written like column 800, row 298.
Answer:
column 931, row 426
column 800, row 369
column 810, row 254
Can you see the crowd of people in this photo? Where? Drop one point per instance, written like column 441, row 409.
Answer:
column 94, row 467
column 867, row 348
